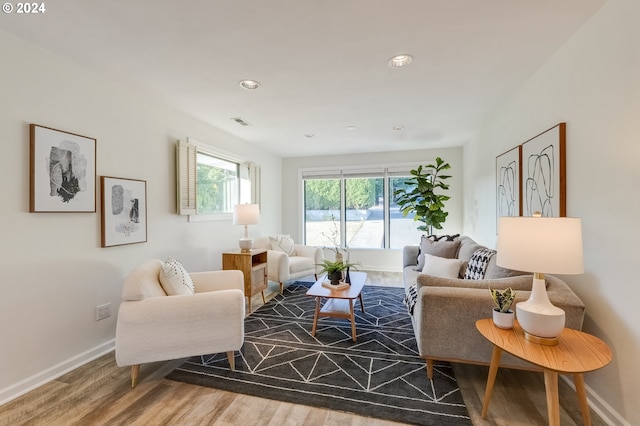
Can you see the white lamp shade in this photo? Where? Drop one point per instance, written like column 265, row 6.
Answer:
column 246, row 214
column 549, row 245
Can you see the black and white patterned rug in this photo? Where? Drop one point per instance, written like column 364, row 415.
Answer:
column 380, row 375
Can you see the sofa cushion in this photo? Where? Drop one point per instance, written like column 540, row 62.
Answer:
column 477, row 265
column 283, row 243
column 440, row 266
column 441, row 248
column 175, row 280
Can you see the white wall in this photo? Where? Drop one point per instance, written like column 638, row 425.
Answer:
column 52, row 270
column 592, row 84
column 370, row 259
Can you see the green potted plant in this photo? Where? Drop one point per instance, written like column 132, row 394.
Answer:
column 334, row 270
column 503, row 316
column 420, row 198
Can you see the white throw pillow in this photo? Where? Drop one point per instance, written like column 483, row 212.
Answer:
column 175, row 280
column 441, row 267
column 283, row 243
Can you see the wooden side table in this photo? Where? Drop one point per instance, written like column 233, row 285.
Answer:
column 576, row 353
column 253, row 265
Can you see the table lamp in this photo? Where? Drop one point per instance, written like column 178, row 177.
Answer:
column 540, row 245
column 246, row 214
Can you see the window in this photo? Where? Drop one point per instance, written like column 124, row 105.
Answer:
column 356, row 209
column 216, row 183
column 210, row 182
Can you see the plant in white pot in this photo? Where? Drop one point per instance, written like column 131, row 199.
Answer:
column 503, row 316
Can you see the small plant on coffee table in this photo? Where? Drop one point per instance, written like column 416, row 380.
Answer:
column 334, row 269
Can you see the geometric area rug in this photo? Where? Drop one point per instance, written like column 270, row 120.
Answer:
column 380, row 375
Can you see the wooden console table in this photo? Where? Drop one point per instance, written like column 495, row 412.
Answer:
column 254, row 267
column 576, row 353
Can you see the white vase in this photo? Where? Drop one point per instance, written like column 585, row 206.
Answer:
column 503, row 319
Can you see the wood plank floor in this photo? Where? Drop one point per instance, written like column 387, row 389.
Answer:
column 99, row 393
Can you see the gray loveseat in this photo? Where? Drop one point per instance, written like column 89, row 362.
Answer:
column 446, row 309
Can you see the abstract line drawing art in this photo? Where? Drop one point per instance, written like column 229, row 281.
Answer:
column 62, row 171
column 543, row 171
column 508, row 178
column 124, row 218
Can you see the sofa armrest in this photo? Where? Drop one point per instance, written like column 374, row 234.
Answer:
column 277, row 266
column 410, row 256
column 217, row 280
column 171, row 327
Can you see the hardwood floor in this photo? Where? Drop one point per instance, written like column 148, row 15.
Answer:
column 99, row 393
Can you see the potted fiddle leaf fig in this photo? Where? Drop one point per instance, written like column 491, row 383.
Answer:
column 422, row 195
column 503, row 316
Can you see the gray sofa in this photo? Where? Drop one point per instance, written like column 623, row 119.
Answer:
column 446, row 309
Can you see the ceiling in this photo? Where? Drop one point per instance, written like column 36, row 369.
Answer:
column 326, row 87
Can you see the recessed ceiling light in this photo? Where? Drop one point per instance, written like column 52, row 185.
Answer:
column 309, row 135
column 350, row 128
column 400, row 61
column 249, row 84
column 398, row 128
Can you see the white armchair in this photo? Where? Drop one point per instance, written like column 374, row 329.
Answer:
column 153, row 327
column 283, row 267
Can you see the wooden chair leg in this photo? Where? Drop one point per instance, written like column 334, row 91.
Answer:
column 429, row 369
column 232, row 360
column 135, row 371
column 281, row 287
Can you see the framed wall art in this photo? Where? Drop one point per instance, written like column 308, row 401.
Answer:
column 508, row 183
column 124, row 211
column 62, row 171
column 543, row 173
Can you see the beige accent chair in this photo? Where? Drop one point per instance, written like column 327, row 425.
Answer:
column 282, row 267
column 155, row 327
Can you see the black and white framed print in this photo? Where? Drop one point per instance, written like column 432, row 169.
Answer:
column 543, row 173
column 124, row 211
column 62, row 171
column 508, row 183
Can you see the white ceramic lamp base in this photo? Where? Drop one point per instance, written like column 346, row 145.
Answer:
column 245, row 244
column 541, row 321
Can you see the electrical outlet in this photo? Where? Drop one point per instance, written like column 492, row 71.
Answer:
column 103, row 311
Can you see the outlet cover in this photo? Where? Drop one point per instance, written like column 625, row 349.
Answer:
column 103, row 311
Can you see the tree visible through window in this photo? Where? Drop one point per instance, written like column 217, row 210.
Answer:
column 217, row 184
column 356, row 210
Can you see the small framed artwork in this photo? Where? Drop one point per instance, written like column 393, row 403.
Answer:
column 62, row 171
column 124, row 211
column 508, row 183
column 543, row 173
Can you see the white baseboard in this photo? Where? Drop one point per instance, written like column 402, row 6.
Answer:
column 600, row 406
column 12, row 392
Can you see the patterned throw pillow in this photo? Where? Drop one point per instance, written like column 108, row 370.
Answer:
column 175, row 280
column 477, row 265
column 410, row 298
column 283, row 243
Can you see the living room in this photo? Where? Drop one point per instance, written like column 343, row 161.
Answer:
column 55, row 273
